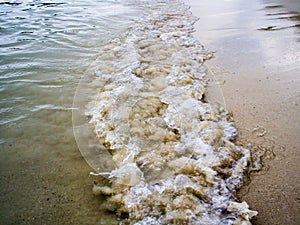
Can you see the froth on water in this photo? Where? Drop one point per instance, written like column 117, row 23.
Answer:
column 168, row 153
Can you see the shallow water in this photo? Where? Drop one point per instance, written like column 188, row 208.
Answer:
column 45, row 49
column 47, row 46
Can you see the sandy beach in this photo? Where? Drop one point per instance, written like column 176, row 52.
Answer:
column 257, row 66
column 255, row 74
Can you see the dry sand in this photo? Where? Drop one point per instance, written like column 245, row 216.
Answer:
column 257, row 65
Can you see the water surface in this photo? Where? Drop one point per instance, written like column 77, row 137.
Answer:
column 45, row 49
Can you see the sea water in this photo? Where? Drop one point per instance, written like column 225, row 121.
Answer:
column 140, row 115
column 170, row 153
column 45, row 49
column 46, row 45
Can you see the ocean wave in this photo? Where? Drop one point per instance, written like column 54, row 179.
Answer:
column 174, row 156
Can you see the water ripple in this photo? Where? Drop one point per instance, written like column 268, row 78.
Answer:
column 47, row 45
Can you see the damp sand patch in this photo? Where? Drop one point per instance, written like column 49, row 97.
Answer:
column 172, row 153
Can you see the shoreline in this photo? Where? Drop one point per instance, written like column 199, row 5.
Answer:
column 45, row 179
column 256, row 64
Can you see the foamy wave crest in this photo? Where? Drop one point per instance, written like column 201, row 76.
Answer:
column 176, row 162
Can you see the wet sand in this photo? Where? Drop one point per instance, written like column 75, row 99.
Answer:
column 257, row 66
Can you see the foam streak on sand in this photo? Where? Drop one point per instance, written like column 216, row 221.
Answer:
column 174, row 156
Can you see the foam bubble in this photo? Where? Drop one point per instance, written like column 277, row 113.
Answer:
column 174, row 156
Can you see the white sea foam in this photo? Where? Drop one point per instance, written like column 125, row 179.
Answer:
column 174, row 156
